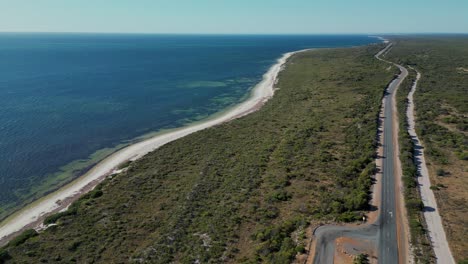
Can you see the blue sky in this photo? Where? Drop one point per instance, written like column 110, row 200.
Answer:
column 235, row 16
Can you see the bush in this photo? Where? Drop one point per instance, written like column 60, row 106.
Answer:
column 4, row 256
column 74, row 245
column 124, row 165
column 300, row 249
column 416, row 227
column 280, row 196
column 52, row 219
column 414, row 204
column 73, row 209
column 349, row 217
column 440, row 172
column 96, row 193
column 462, row 155
column 357, row 200
column 276, row 244
column 23, row 237
column 361, row 259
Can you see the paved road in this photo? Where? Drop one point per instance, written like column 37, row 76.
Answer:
column 383, row 232
column 388, row 240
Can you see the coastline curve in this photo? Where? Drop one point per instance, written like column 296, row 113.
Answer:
column 32, row 215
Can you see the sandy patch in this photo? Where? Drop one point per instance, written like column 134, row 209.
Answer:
column 347, row 249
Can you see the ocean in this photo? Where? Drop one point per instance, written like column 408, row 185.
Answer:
column 68, row 100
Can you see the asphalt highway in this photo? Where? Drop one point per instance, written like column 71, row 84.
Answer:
column 382, row 232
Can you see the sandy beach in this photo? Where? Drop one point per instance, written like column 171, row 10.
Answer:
column 33, row 214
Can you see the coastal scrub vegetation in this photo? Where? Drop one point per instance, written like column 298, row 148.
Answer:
column 441, row 111
column 420, row 243
column 361, row 259
column 243, row 191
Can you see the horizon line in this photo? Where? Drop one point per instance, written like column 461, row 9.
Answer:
column 237, row 33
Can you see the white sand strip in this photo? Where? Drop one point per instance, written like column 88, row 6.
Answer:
column 32, row 215
column 431, row 212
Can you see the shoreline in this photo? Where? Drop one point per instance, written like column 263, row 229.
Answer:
column 32, row 215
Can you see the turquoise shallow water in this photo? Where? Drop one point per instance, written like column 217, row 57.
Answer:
column 65, row 96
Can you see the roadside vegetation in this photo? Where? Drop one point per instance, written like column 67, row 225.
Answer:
column 361, row 259
column 241, row 192
column 441, row 123
column 420, row 243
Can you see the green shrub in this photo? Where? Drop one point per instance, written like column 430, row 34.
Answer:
column 276, row 244
column 74, row 245
column 300, row 249
column 73, row 208
column 4, row 255
column 96, row 193
column 414, row 204
column 280, row 196
column 23, row 237
column 124, row 165
column 440, row 172
column 349, row 217
column 463, row 155
column 52, row 219
column 361, row 259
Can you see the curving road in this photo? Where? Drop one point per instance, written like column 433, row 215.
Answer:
column 386, row 231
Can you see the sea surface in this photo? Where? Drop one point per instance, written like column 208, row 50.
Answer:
column 64, row 97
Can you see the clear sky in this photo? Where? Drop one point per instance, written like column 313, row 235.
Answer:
column 235, row 16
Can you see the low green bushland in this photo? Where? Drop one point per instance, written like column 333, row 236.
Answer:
column 23, row 237
column 420, row 242
column 441, row 123
column 441, row 98
column 240, row 191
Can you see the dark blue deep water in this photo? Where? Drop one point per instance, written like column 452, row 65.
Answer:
column 65, row 96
